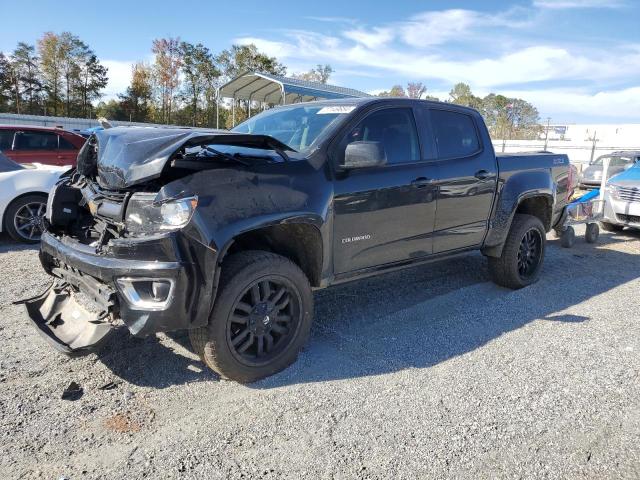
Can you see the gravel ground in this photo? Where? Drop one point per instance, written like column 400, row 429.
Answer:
column 432, row 372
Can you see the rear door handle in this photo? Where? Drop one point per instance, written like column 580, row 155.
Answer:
column 482, row 174
column 421, row 182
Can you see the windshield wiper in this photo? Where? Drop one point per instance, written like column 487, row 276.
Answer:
column 226, row 155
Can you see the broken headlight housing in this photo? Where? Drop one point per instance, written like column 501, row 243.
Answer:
column 147, row 216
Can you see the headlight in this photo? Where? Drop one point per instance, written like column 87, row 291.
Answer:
column 597, row 174
column 145, row 216
column 613, row 190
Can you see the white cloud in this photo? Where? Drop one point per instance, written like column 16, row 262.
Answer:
column 420, row 49
column 332, row 19
column 615, row 104
column 374, row 38
column 119, row 77
column 529, row 64
column 432, row 28
column 566, row 4
column 269, row 47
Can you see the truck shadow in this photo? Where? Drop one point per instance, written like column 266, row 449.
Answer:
column 417, row 319
column 414, row 318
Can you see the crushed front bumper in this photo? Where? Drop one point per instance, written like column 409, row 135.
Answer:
column 101, row 279
column 64, row 321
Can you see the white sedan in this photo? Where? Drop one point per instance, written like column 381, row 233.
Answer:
column 23, row 197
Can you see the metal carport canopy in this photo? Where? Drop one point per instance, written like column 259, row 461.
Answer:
column 264, row 87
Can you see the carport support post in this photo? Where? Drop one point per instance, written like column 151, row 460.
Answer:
column 233, row 111
column 217, row 113
column 603, row 180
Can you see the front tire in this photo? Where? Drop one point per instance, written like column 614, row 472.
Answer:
column 523, row 254
column 261, row 318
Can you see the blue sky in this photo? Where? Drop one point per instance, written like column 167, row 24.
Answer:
column 577, row 60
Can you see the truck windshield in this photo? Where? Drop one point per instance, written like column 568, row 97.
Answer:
column 296, row 126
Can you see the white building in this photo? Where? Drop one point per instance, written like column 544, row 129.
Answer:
column 581, row 142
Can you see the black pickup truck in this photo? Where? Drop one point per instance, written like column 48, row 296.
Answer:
column 226, row 234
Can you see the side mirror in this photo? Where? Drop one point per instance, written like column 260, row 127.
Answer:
column 364, row 155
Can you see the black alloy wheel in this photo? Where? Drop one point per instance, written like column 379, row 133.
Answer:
column 529, row 253
column 522, row 256
column 261, row 318
column 264, row 320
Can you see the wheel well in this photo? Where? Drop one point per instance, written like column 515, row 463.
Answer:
column 538, row 207
column 299, row 242
column 4, row 218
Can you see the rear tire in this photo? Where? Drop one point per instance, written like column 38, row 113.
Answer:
column 251, row 335
column 611, row 227
column 23, row 218
column 523, row 254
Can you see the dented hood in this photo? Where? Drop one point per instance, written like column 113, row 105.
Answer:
column 131, row 155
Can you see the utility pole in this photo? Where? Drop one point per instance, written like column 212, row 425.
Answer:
column 546, row 134
column 594, row 140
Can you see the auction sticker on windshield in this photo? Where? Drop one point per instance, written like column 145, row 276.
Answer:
column 336, row 109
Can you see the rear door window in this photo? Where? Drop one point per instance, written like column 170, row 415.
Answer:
column 455, row 134
column 65, row 144
column 26, row 140
column 395, row 128
column 620, row 161
column 6, row 139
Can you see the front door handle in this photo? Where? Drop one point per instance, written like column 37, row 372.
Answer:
column 421, row 182
column 482, row 174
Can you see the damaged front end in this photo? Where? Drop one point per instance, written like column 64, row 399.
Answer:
column 122, row 255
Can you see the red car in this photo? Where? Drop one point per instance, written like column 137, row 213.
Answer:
column 49, row 146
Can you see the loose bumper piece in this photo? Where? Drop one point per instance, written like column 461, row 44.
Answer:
column 64, row 322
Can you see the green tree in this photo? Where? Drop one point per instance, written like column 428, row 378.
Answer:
column 200, row 73
column 396, row 91
column 69, row 48
column 510, row 118
column 91, row 79
column 167, row 64
column 241, row 59
column 416, row 89
column 51, row 58
column 320, row 74
column 5, row 82
column 25, row 64
column 137, row 101
column 461, row 94
column 111, row 110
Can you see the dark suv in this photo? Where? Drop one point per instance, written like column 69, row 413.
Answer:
column 49, row 146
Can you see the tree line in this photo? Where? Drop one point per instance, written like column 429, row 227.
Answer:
column 506, row 117
column 61, row 76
